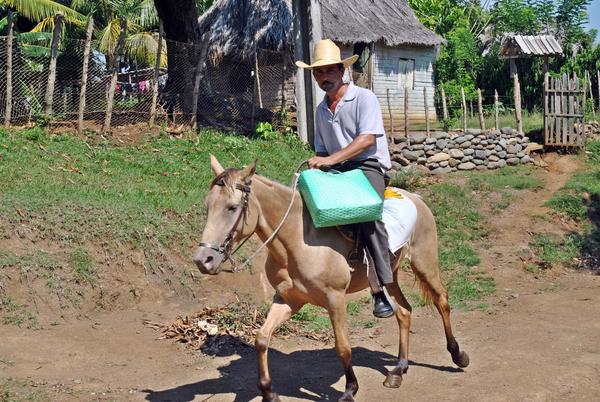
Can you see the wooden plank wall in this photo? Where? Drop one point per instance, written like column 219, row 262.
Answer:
column 385, row 83
column 385, row 80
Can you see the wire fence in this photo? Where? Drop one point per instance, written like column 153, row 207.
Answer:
column 229, row 93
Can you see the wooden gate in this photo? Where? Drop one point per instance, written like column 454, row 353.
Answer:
column 563, row 111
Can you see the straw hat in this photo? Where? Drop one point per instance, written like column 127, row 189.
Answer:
column 327, row 53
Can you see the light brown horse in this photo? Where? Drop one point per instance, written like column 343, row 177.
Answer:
column 308, row 265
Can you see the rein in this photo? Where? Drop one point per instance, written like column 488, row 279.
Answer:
column 225, row 247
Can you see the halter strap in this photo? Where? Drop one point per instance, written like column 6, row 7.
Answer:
column 225, row 247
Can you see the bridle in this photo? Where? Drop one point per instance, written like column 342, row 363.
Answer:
column 225, row 247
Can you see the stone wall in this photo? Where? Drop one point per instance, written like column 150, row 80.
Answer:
column 445, row 152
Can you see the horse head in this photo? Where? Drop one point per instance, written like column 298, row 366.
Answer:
column 230, row 217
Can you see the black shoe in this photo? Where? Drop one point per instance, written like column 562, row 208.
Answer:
column 382, row 308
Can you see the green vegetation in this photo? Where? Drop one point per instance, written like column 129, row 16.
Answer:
column 82, row 265
column 13, row 314
column 313, row 318
column 552, row 250
column 532, row 121
column 16, row 390
column 579, row 200
column 465, row 288
column 510, row 177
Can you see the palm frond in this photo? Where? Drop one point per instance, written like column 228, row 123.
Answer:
column 35, row 38
column 38, row 10
column 35, row 51
column 110, row 36
column 142, row 47
column 149, row 15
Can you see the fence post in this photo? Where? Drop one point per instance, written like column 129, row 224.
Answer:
column 155, row 75
column 589, row 80
column 444, row 105
column 84, row 73
column 9, row 60
column 195, row 92
column 464, row 108
column 257, row 77
column 52, row 68
column 426, row 111
column 390, row 111
column 480, row 110
column 406, row 114
column 496, row 120
column 283, row 71
column 546, row 108
column 252, row 117
column 598, row 75
column 114, row 69
column 517, row 97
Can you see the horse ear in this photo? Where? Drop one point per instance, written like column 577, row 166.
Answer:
column 215, row 165
column 248, row 172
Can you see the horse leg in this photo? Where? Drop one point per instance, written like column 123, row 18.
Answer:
column 278, row 314
column 432, row 286
column 337, row 313
column 440, row 299
column 403, row 316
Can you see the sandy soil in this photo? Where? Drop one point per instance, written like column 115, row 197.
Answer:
column 538, row 341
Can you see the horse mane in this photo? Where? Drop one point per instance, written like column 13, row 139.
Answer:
column 225, row 179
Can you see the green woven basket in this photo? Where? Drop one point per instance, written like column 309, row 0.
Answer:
column 334, row 198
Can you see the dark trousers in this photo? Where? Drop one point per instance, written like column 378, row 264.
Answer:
column 373, row 233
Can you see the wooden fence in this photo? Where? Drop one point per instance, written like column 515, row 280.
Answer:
column 564, row 110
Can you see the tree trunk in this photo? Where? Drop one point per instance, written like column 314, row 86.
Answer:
column 180, row 22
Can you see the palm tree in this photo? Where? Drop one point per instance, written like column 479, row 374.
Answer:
column 138, row 17
column 43, row 12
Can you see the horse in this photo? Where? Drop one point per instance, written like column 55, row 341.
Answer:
column 309, row 265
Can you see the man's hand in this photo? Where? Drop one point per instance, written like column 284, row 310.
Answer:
column 319, row 162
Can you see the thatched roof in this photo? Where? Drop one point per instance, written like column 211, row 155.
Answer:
column 237, row 27
column 389, row 21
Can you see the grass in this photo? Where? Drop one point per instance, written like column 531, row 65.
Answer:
column 82, row 265
column 510, row 177
column 579, row 200
column 458, row 222
column 465, row 288
column 76, row 191
column 532, row 121
column 13, row 314
column 15, row 390
column 552, row 250
column 313, row 318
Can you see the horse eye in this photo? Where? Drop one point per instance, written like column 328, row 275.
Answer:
column 232, row 208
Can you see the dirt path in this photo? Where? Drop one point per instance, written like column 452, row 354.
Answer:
column 539, row 340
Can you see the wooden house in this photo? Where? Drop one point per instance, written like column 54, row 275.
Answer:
column 396, row 51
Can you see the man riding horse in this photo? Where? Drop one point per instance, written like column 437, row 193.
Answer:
column 350, row 135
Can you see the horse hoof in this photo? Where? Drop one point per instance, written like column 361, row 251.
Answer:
column 462, row 360
column 392, row 381
column 347, row 397
column 271, row 398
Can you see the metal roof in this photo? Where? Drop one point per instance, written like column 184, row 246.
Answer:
column 534, row 45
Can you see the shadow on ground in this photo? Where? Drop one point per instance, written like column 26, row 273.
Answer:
column 306, row 374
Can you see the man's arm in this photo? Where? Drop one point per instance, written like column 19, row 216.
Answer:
column 356, row 147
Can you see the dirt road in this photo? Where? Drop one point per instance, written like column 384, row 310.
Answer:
column 538, row 341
